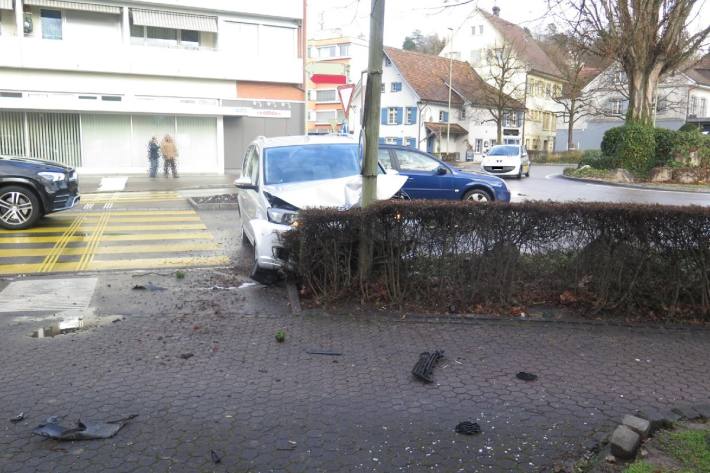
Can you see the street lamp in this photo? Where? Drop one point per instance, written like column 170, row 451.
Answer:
column 451, row 65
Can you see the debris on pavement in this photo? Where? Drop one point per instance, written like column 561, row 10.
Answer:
column 424, row 367
column 280, row 336
column 216, row 459
column 83, row 430
column 468, row 428
column 179, row 275
column 524, row 376
column 187, row 356
column 148, row 287
column 286, row 446
column 18, row 418
column 324, row 353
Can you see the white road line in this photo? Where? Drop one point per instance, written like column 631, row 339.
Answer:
column 112, row 184
column 88, row 206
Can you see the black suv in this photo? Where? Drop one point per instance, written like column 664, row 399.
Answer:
column 31, row 188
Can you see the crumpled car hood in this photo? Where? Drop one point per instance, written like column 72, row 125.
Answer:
column 343, row 193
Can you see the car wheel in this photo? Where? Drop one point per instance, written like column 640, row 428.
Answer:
column 401, row 195
column 527, row 174
column 520, row 172
column 477, row 196
column 19, row 208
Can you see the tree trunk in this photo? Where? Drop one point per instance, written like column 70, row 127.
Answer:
column 570, row 127
column 499, row 130
column 642, row 91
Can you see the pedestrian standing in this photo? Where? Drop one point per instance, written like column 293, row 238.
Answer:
column 153, row 155
column 169, row 151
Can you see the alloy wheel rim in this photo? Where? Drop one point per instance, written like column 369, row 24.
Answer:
column 15, row 208
column 478, row 197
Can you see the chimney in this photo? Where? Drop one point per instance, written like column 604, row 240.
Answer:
column 496, row 10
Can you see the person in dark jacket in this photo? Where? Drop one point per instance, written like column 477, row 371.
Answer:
column 153, row 156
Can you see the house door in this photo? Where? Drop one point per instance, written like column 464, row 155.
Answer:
column 430, row 143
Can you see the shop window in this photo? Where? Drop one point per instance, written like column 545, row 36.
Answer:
column 51, row 24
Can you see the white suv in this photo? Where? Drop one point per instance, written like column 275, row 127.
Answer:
column 281, row 176
column 507, row 160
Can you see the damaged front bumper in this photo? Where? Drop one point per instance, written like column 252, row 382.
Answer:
column 268, row 250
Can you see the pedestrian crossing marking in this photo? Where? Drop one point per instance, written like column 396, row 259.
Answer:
column 110, row 240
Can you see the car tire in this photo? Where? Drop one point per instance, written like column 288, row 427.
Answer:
column 19, row 208
column 478, row 196
column 527, row 174
column 520, row 172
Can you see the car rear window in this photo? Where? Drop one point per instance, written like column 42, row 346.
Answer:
column 310, row 162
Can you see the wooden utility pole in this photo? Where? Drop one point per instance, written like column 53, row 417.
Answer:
column 371, row 116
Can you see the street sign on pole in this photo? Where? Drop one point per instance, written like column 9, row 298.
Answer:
column 345, row 93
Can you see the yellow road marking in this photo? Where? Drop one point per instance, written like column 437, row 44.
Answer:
column 140, row 212
column 60, row 244
column 113, row 250
column 119, row 219
column 137, row 237
column 88, row 257
column 103, row 265
column 113, row 228
column 118, row 201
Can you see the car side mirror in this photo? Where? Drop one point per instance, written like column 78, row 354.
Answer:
column 245, row 184
column 441, row 170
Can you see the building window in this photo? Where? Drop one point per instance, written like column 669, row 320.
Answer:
column 388, row 61
column 548, row 90
column 443, row 116
column 326, row 96
column 392, row 116
column 411, row 118
column 462, row 113
column 616, row 106
column 390, row 140
column 325, row 116
column 473, row 30
column 167, row 37
column 396, row 87
column 480, row 29
column 51, row 24
column 531, row 87
column 345, row 50
column 190, row 39
column 479, row 145
column 325, row 52
column 703, row 108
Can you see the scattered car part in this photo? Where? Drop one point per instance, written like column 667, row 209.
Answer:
column 524, row 376
column 83, row 431
column 187, row 356
column 216, row 459
column 148, row 287
column 424, row 367
column 324, row 353
column 468, row 428
column 18, row 418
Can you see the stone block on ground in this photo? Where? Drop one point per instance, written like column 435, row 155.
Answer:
column 623, row 176
column 624, row 442
column 686, row 176
column 661, row 174
column 638, row 425
column 657, row 418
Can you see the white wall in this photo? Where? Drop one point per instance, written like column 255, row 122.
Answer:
column 292, row 9
column 101, row 28
column 7, row 23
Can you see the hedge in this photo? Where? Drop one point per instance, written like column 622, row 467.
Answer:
column 636, row 148
column 605, row 259
column 596, row 160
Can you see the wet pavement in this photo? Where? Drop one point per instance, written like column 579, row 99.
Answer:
column 200, row 364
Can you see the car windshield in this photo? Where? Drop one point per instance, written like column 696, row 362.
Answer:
column 503, row 151
column 310, row 162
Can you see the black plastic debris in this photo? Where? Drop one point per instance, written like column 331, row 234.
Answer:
column 324, row 353
column 18, row 418
column 524, row 376
column 468, row 428
column 148, row 287
column 83, row 431
column 216, row 459
column 187, row 356
column 424, row 368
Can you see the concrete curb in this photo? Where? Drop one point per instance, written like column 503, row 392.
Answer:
column 631, row 186
column 213, row 205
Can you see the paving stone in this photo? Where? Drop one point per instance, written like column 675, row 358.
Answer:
column 686, row 412
column 703, row 410
column 638, row 425
column 624, row 442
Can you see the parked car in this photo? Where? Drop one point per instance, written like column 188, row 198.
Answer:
column 430, row 178
column 31, row 188
column 281, row 176
column 507, row 160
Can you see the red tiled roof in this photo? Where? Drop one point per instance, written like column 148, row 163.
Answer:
column 700, row 71
column 525, row 45
column 428, row 75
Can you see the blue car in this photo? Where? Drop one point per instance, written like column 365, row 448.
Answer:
column 429, row 178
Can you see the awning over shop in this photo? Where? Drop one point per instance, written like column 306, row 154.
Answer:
column 328, row 79
column 5, row 4
column 178, row 21
column 440, row 128
column 81, row 6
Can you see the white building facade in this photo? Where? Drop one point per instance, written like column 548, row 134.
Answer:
column 89, row 83
column 415, row 108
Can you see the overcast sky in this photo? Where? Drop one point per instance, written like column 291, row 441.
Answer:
column 405, row 16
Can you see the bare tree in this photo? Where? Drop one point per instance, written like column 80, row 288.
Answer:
column 648, row 38
column 506, row 76
column 427, row 44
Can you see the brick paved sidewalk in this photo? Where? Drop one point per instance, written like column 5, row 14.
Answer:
column 248, row 397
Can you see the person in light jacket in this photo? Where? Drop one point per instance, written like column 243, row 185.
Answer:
column 153, row 155
column 170, row 153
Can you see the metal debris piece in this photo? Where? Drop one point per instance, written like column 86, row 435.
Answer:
column 424, row 368
column 468, row 428
column 526, row 376
column 216, row 459
column 83, row 430
column 18, row 418
column 148, row 287
column 324, row 353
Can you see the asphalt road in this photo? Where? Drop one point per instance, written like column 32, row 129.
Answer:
column 546, row 183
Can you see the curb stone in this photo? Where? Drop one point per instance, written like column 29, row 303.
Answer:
column 213, row 205
column 631, row 186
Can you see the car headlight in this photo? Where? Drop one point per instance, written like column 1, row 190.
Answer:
column 282, row 216
column 52, row 176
